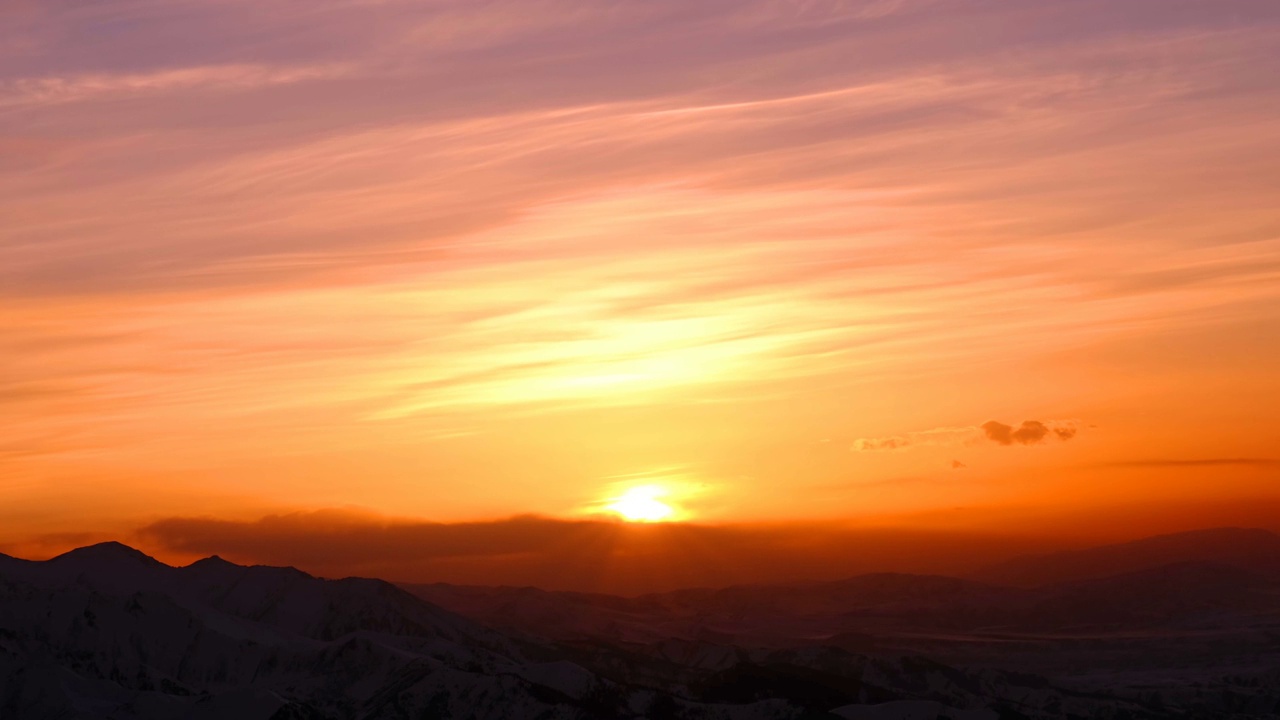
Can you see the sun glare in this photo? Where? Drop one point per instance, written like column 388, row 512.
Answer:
column 641, row 504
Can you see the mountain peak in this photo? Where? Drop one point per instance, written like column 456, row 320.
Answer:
column 214, row 562
column 108, row 551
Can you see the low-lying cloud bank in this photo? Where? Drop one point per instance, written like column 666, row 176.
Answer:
column 615, row 557
column 591, row 555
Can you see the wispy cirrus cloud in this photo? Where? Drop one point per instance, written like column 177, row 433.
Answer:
column 1030, row 432
column 944, row 436
column 80, row 88
column 1179, row 463
column 306, row 231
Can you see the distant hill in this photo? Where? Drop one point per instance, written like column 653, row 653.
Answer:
column 877, row 610
column 1253, row 550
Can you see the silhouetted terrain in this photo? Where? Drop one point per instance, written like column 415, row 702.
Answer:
column 1226, row 583
column 107, row 632
column 1248, row 549
column 1191, row 622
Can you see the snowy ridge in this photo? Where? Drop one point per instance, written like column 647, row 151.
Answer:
column 108, row 632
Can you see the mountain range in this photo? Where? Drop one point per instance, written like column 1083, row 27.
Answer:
column 1181, row 626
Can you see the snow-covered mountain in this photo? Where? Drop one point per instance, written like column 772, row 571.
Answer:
column 108, row 632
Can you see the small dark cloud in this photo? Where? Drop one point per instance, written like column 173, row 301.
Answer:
column 1030, row 432
column 957, row 465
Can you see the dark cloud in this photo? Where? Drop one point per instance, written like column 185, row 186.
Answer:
column 293, row 535
column 957, row 465
column 1031, row 432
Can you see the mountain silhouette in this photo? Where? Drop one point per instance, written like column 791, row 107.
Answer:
column 1253, row 550
column 107, row 631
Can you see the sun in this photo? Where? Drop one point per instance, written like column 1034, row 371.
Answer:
column 641, row 504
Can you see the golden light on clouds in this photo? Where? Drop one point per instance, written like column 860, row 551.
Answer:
column 797, row 250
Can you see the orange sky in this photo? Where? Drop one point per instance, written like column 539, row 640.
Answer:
column 445, row 262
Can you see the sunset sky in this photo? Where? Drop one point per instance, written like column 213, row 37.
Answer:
column 278, row 276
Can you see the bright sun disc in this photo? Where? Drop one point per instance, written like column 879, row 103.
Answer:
column 641, row 504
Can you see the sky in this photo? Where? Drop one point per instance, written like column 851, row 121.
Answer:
column 415, row 284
